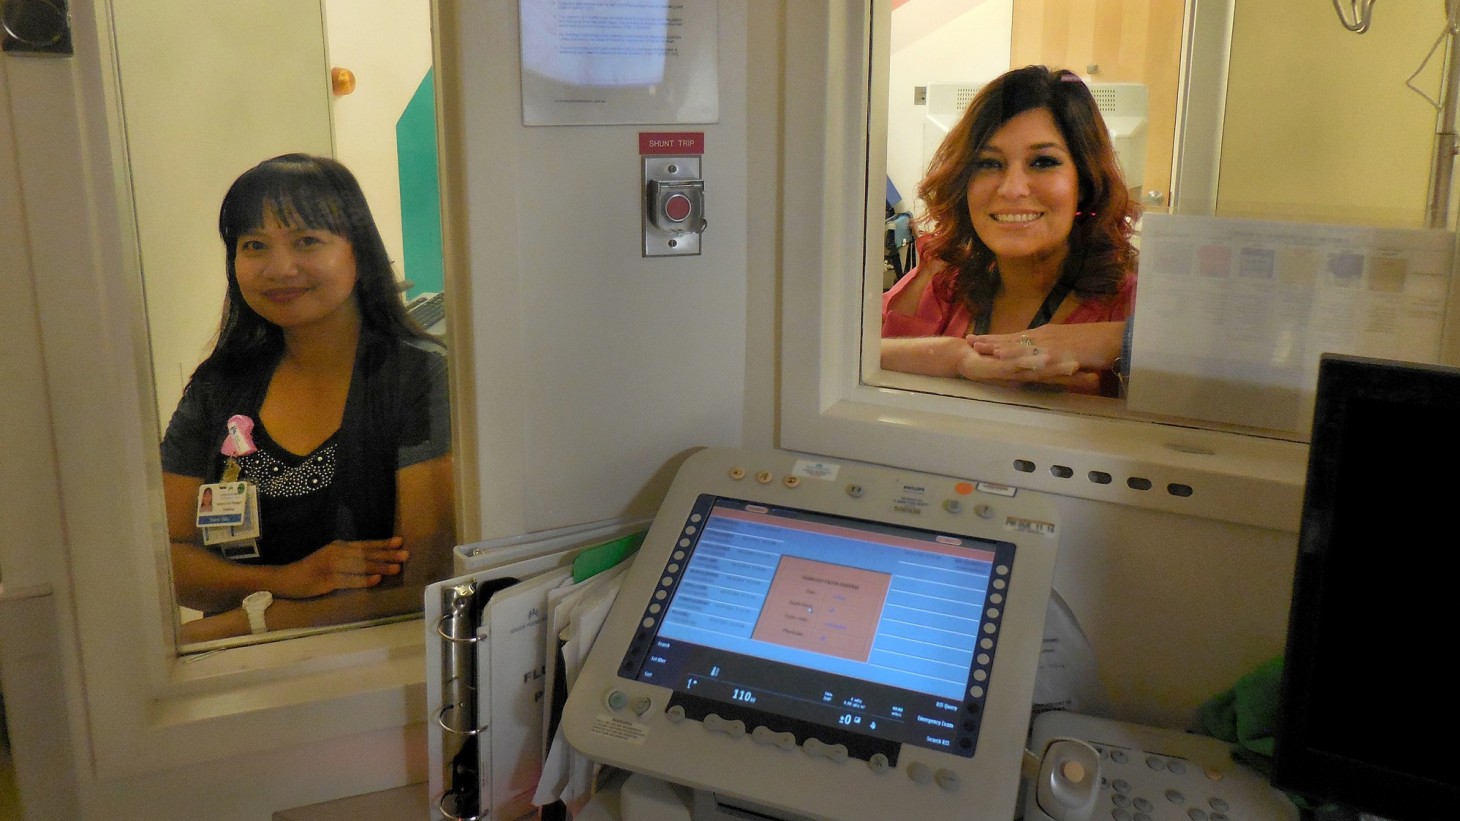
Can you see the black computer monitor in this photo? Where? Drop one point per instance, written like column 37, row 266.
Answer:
column 1368, row 703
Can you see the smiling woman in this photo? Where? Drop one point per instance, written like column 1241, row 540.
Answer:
column 321, row 413
column 1028, row 223
column 251, row 81
column 295, row 276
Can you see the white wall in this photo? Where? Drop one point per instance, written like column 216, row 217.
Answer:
column 1176, row 608
column 595, row 368
column 30, row 656
column 387, row 44
column 935, row 41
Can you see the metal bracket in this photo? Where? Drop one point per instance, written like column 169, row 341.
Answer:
column 673, row 206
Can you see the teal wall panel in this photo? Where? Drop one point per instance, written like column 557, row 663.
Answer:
column 420, row 190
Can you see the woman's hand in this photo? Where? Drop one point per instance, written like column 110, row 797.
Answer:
column 1091, row 346
column 1029, row 365
column 953, row 356
column 340, row 565
column 1068, row 356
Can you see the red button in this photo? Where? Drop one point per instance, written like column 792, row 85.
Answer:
column 677, row 207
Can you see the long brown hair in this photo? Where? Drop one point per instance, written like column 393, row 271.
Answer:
column 1101, row 252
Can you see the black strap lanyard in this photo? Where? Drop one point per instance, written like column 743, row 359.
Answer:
column 1045, row 313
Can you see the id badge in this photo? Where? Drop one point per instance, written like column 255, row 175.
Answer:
column 222, row 503
column 232, row 538
column 228, row 511
column 246, row 549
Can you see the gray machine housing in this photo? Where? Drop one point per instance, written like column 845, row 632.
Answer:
column 616, row 719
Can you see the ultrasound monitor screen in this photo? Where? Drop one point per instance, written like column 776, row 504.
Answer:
column 865, row 634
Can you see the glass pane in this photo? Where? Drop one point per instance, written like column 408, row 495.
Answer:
column 1320, row 217
column 333, row 79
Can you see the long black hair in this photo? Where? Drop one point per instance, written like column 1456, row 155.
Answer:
column 303, row 191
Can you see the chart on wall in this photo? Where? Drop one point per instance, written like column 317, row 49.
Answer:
column 1233, row 314
column 604, row 62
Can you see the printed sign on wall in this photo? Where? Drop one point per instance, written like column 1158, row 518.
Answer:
column 619, row 62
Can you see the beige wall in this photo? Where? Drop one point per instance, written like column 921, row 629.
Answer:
column 1117, row 41
column 387, row 44
column 1319, row 123
column 246, row 83
column 937, row 41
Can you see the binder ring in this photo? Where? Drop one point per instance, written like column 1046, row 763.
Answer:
column 441, row 623
column 441, row 805
column 441, row 721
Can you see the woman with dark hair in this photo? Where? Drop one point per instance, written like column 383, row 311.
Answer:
column 327, row 402
column 1028, row 224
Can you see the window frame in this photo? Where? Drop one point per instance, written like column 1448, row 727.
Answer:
column 137, row 706
column 828, row 408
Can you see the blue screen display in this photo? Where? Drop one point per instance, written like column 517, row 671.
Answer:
column 854, row 632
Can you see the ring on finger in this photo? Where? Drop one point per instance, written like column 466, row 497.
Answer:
column 1025, row 340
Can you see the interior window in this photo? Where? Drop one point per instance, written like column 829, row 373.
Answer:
column 1286, row 235
column 330, row 78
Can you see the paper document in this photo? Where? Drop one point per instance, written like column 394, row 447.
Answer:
column 476, row 556
column 510, row 688
column 492, row 566
column 577, row 617
column 1232, row 315
column 1067, row 678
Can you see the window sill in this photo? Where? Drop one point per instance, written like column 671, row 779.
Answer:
column 269, row 696
column 1064, row 448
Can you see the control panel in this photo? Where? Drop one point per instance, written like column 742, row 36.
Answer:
column 1095, row 768
column 826, row 638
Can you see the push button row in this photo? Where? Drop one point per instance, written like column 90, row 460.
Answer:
column 814, row 747
column 922, row 774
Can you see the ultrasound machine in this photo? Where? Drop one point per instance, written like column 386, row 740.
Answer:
column 812, row 638
column 805, row 637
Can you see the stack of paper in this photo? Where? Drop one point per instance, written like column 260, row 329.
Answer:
column 540, row 602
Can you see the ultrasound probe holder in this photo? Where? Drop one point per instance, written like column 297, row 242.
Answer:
column 726, row 667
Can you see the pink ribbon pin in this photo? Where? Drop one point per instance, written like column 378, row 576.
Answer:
column 239, row 441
